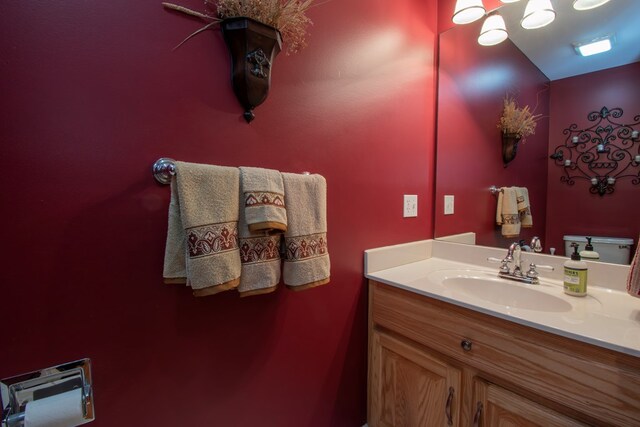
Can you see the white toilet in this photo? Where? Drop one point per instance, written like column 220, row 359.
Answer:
column 616, row 250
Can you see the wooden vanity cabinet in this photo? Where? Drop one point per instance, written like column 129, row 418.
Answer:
column 410, row 387
column 433, row 363
column 497, row 406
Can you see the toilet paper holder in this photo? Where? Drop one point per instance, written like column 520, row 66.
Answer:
column 17, row 391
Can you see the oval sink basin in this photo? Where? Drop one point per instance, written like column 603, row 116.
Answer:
column 508, row 294
column 486, row 286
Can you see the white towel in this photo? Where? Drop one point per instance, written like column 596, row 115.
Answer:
column 633, row 282
column 507, row 212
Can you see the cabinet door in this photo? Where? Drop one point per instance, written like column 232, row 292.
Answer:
column 496, row 406
column 409, row 387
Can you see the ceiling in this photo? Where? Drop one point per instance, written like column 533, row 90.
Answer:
column 551, row 48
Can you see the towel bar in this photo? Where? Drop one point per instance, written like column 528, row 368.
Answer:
column 494, row 190
column 165, row 167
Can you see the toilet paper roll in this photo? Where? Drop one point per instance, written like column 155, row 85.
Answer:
column 61, row 410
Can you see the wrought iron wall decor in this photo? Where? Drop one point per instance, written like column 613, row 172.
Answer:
column 601, row 154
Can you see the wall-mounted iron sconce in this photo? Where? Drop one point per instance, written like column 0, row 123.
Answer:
column 253, row 47
column 602, row 154
column 253, row 43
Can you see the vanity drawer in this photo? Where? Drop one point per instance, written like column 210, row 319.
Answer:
column 593, row 381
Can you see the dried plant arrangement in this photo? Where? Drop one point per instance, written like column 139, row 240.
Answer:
column 520, row 122
column 287, row 16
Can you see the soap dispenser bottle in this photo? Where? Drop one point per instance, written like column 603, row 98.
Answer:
column 575, row 274
column 588, row 253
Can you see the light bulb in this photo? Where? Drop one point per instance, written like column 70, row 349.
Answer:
column 537, row 14
column 493, row 31
column 588, row 4
column 467, row 11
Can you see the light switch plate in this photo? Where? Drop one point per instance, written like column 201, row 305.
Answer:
column 448, row 205
column 410, row 206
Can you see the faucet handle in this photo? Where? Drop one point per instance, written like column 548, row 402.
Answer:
column 504, row 267
column 533, row 273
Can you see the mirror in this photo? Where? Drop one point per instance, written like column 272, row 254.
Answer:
column 473, row 81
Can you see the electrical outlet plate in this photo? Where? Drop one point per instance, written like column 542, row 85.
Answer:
column 448, row 205
column 410, row 206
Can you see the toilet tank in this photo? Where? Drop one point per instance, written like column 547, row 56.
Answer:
column 616, row 250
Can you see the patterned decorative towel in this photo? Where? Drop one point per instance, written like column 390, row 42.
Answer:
column 306, row 263
column 203, row 227
column 633, row 282
column 263, row 197
column 507, row 212
column 524, row 207
column 259, row 255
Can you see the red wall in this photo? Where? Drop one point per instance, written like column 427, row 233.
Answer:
column 473, row 81
column 573, row 209
column 92, row 95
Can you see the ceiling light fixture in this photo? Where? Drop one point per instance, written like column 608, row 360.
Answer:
column 493, row 31
column 467, row 11
column 593, row 47
column 588, row 4
column 537, row 14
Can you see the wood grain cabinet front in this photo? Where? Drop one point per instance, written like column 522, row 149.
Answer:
column 410, row 387
column 497, row 406
column 501, row 373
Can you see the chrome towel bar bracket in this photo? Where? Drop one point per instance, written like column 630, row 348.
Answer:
column 163, row 169
column 493, row 189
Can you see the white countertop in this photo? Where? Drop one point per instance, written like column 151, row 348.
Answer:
column 606, row 317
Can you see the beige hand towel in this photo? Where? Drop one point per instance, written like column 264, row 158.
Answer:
column 259, row 255
column 524, row 207
column 208, row 202
column 306, row 263
column 175, row 264
column 263, row 197
column 507, row 212
column 633, row 282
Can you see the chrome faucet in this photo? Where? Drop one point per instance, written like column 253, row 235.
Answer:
column 514, row 255
column 536, row 244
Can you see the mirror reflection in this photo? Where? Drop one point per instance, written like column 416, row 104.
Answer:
column 539, row 69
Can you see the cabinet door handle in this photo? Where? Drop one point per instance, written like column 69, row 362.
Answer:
column 466, row 345
column 447, row 409
column 478, row 414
